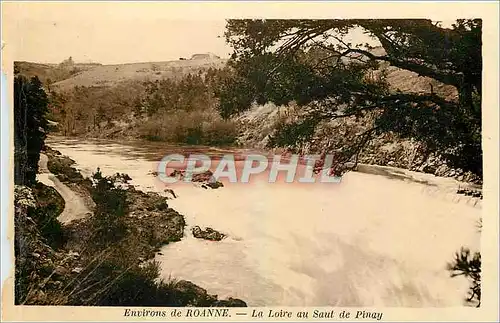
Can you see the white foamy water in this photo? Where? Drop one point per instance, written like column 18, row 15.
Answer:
column 371, row 240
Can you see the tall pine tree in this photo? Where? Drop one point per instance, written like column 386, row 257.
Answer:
column 30, row 107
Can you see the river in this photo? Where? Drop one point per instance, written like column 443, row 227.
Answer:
column 379, row 238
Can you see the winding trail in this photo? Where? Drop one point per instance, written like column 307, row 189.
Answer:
column 74, row 205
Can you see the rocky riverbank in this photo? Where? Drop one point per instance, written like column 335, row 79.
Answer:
column 260, row 122
column 79, row 263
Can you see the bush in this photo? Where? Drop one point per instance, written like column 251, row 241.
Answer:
column 192, row 128
column 111, row 207
column 36, row 235
column 61, row 166
column 220, row 133
column 138, row 286
column 49, row 205
column 468, row 265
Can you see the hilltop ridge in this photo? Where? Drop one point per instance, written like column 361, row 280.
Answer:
column 109, row 75
column 65, row 76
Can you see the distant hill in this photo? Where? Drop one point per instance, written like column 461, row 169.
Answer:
column 51, row 73
column 109, row 75
column 68, row 74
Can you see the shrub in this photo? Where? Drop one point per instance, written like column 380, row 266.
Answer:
column 138, row 285
column 61, row 166
column 468, row 265
column 192, row 128
column 220, row 133
column 111, row 207
column 49, row 205
column 35, row 259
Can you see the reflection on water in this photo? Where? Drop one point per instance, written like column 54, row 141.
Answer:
column 371, row 240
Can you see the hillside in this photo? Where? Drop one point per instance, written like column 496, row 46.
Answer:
column 261, row 120
column 50, row 73
column 110, row 75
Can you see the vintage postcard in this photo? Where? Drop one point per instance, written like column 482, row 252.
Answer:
column 256, row 161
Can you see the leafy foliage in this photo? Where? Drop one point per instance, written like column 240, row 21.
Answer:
column 137, row 285
column 49, row 205
column 61, row 166
column 111, row 207
column 180, row 110
column 188, row 93
column 468, row 265
column 84, row 109
column 30, row 107
column 312, row 63
column 183, row 111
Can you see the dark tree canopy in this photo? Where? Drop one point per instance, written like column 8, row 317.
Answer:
column 312, row 63
column 30, row 107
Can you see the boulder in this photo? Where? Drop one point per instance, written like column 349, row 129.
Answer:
column 206, row 178
column 189, row 294
column 231, row 302
column 207, row 234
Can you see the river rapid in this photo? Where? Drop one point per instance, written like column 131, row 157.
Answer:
column 381, row 237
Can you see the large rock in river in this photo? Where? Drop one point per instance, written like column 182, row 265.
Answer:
column 207, row 234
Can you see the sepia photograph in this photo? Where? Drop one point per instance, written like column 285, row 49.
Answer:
column 169, row 161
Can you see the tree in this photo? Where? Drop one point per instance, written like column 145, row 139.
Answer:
column 313, row 63
column 30, row 107
column 468, row 265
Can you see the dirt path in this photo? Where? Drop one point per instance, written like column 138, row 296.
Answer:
column 75, row 207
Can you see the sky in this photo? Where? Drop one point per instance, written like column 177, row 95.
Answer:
column 110, row 34
column 123, row 32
